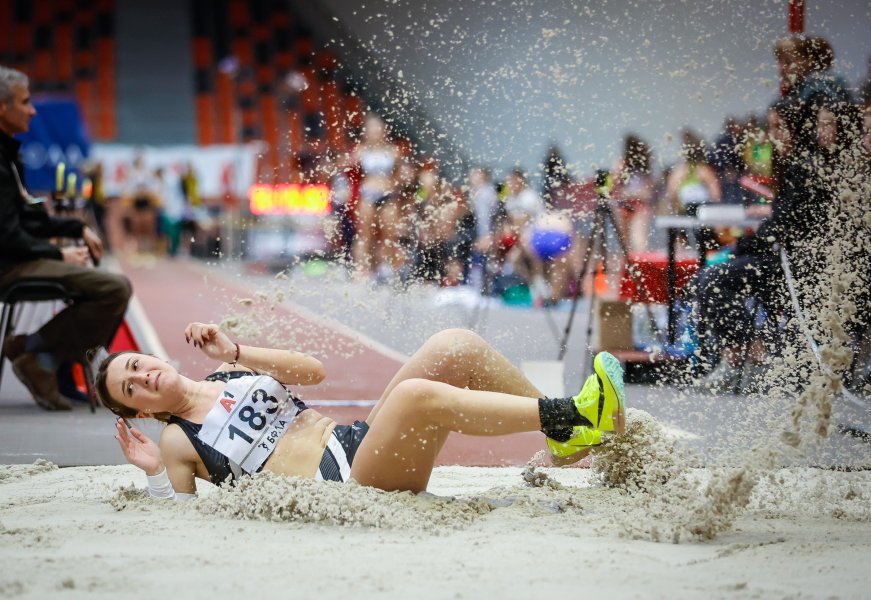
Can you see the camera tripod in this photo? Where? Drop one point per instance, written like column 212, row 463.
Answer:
column 597, row 249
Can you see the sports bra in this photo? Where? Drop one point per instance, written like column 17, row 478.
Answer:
column 692, row 190
column 377, row 163
column 218, row 465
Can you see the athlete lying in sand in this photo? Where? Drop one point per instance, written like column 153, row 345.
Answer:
column 241, row 419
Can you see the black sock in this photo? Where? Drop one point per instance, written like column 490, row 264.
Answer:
column 558, row 416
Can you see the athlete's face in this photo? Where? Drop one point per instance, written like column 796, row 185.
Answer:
column 143, row 382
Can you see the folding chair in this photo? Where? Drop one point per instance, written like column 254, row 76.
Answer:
column 37, row 290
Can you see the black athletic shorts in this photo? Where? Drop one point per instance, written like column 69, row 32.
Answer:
column 351, row 436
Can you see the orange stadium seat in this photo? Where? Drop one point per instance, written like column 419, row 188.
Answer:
column 224, row 103
column 6, row 39
column 256, row 99
column 205, row 126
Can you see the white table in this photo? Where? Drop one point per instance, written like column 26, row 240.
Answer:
column 709, row 216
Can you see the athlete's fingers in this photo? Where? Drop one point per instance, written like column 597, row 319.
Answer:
column 123, row 441
column 140, row 436
column 125, row 432
column 199, row 334
column 191, row 331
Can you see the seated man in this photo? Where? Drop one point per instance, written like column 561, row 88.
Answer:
column 26, row 253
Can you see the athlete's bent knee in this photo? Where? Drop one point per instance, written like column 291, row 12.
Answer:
column 417, row 394
column 452, row 338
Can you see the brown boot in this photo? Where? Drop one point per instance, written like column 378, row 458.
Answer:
column 13, row 347
column 41, row 383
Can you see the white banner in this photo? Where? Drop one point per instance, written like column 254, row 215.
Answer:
column 222, row 170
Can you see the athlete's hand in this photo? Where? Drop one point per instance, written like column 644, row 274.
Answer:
column 211, row 340
column 138, row 448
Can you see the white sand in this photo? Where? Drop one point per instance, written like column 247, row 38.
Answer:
column 805, row 534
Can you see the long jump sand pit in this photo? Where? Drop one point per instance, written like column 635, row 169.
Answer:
column 477, row 533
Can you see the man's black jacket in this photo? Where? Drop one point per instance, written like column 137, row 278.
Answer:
column 25, row 228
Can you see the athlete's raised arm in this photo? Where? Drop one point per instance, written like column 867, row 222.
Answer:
column 287, row 366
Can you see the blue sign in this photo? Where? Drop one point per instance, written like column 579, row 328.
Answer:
column 56, row 135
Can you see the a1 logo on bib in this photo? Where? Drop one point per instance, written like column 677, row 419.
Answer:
column 247, row 420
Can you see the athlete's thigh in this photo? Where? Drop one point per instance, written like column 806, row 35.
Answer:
column 398, row 453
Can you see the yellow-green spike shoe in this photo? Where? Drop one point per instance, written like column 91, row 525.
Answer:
column 583, row 438
column 601, row 402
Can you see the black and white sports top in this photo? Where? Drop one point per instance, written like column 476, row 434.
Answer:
column 216, row 463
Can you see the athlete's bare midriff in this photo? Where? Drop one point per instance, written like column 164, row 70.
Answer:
column 300, row 450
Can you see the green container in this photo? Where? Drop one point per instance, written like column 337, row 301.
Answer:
column 517, row 295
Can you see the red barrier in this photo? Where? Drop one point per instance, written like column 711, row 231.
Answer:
column 652, row 269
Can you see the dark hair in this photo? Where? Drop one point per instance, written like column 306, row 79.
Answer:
column 106, row 399
column 818, row 52
column 636, row 155
column 693, row 148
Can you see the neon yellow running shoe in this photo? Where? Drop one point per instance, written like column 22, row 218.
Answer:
column 602, row 406
column 601, row 402
column 583, row 438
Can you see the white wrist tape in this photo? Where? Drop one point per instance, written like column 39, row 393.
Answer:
column 159, row 486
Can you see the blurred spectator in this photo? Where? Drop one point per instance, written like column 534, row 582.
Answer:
column 96, row 195
column 339, row 226
column 575, row 199
column 484, row 200
column 143, row 203
column 758, row 152
column 396, row 217
column 377, row 158
column 486, row 206
column 556, row 179
column 522, row 207
column 693, row 183
column 633, row 192
column 554, row 254
column 445, row 233
column 171, row 190
column 190, row 186
column 522, row 204
column 815, row 85
column 195, row 213
column 797, row 223
column 791, row 63
column 727, row 159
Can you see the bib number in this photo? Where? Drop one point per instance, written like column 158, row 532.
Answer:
column 248, row 420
